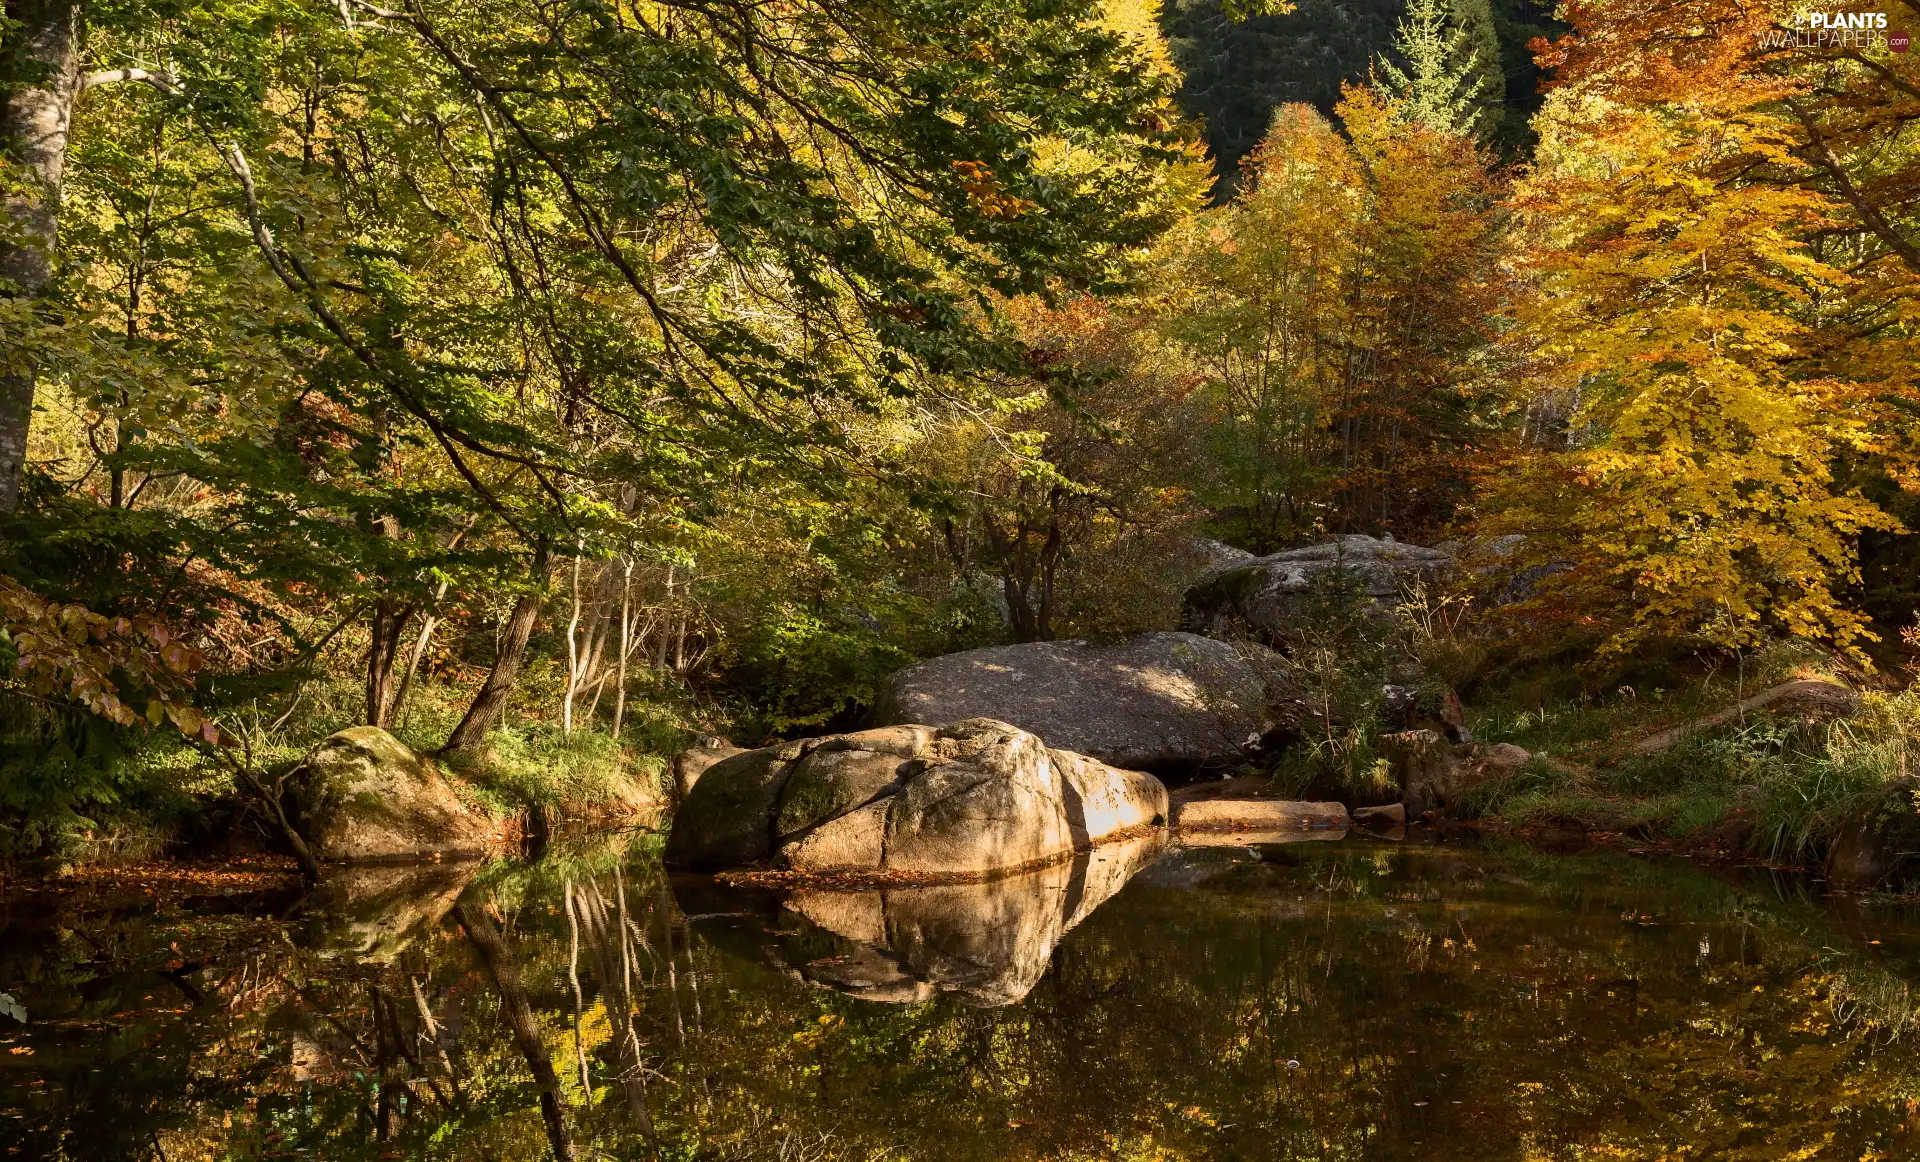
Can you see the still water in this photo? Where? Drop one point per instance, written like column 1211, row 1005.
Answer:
column 1345, row 999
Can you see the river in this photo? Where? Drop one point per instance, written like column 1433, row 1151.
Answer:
column 1329, row 1000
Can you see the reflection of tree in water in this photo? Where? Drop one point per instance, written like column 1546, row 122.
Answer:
column 1319, row 1005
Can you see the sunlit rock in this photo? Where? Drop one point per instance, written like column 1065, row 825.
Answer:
column 366, row 797
column 1256, row 836
column 857, row 839
column 1281, row 815
column 976, row 797
column 1153, row 701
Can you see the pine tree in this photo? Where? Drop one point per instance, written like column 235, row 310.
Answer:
column 1452, row 79
column 1479, row 59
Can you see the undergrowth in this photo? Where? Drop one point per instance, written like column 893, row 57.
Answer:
column 1780, row 788
column 117, row 797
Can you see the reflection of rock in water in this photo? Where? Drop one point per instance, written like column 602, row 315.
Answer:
column 988, row 943
column 376, row 911
column 1256, row 837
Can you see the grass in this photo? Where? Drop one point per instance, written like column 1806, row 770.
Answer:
column 128, row 797
column 538, row 765
column 1782, row 789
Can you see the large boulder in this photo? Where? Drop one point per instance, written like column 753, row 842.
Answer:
column 366, row 797
column 1155, row 701
column 1278, row 593
column 976, row 797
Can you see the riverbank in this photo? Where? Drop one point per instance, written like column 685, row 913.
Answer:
column 1824, row 780
column 1793, row 763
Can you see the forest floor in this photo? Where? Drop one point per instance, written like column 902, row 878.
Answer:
column 1702, row 770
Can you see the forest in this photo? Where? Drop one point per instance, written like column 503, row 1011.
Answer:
column 554, row 384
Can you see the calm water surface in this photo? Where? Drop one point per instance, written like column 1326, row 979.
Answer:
column 1316, row 1000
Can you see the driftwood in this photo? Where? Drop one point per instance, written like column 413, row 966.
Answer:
column 1812, row 697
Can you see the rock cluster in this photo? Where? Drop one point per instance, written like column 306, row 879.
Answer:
column 1433, row 772
column 1273, row 594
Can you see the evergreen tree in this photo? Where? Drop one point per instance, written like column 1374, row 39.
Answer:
column 1452, row 80
column 1238, row 69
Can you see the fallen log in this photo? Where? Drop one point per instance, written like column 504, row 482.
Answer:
column 1809, row 697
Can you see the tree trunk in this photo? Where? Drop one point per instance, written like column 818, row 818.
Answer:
column 626, row 634
column 1021, row 617
column 487, row 704
column 271, row 799
column 389, row 618
column 498, row 960
column 575, row 674
column 34, row 120
column 421, row 643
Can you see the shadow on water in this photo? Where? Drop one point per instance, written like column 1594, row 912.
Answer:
column 1341, row 999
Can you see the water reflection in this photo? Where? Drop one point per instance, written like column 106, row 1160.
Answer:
column 1314, row 1000
column 376, row 912
column 987, row 943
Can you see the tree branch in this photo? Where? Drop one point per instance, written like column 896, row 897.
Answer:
column 164, row 81
column 1870, row 215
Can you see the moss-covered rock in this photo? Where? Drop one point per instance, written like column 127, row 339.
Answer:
column 726, row 819
column 846, row 772
column 366, row 797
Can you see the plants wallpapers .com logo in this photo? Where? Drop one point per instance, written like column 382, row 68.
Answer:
column 1838, row 30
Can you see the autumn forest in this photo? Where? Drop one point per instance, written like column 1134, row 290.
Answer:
column 553, row 384
column 950, row 580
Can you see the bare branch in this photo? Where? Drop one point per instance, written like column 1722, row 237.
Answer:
column 164, row 81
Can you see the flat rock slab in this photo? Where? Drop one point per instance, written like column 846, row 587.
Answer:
column 1281, row 815
column 1152, row 701
column 1255, row 837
